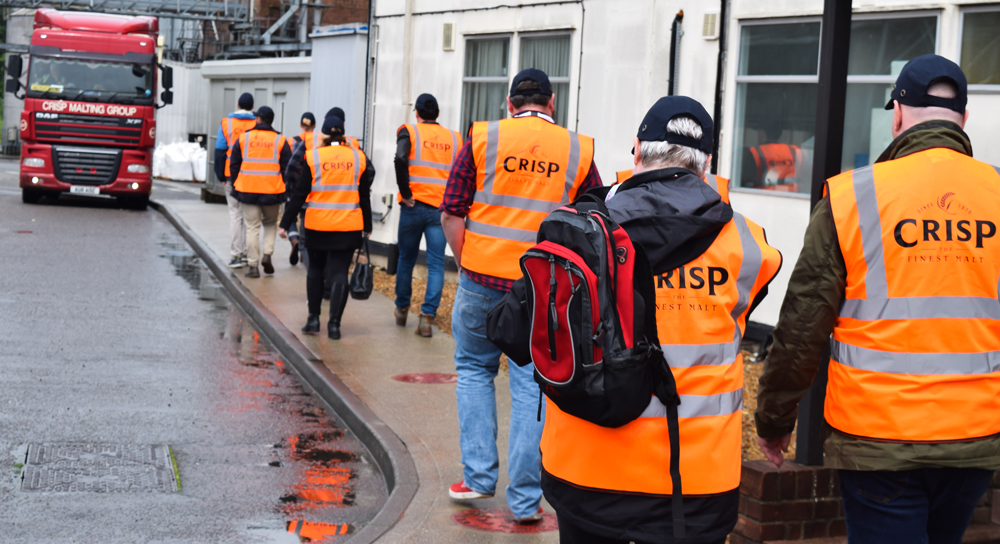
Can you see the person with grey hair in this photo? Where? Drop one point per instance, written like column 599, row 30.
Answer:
column 899, row 265
column 711, row 268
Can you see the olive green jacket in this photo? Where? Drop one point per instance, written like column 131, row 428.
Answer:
column 808, row 315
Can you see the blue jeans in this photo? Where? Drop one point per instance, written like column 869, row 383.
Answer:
column 477, row 361
column 923, row 506
column 420, row 220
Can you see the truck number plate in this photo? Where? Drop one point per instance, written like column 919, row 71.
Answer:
column 80, row 190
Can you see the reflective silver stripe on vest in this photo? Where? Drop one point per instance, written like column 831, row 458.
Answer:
column 921, row 364
column 574, row 165
column 429, row 181
column 506, row 233
column 722, row 404
column 320, row 188
column 333, row 205
column 877, row 304
column 417, row 161
column 688, row 355
column 250, row 172
column 266, row 160
column 713, row 182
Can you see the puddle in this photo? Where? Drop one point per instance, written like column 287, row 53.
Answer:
column 332, row 487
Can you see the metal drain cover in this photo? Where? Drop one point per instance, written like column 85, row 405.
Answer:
column 101, row 468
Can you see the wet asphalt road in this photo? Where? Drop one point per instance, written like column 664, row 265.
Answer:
column 112, row 333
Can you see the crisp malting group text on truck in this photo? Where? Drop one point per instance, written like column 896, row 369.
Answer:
column 90, row 95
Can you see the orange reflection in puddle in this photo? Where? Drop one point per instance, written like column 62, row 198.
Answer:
column 309, row 531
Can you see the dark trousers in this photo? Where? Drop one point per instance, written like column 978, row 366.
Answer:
column 923, row 506
column 571, row 534
column 339, row 263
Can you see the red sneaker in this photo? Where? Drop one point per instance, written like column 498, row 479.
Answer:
column 533, row 518
column 460, row 492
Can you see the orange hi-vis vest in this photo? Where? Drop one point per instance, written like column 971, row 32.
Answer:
column 232, row 129
column 432, row 151
column 701, row 311
column 307, row 138
column 526, row 167
column 778, row 158
column 720, row 184
column 334, row 204
column 260, row 172
column 317, row 141
column 916, row 349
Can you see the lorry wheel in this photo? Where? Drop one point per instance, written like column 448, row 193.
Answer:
column 139, row 203
column 30, row 196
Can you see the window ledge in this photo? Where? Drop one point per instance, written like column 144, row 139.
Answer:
column 984, row 89
column 762, row 192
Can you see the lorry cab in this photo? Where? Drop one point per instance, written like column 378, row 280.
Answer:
column 88, row 124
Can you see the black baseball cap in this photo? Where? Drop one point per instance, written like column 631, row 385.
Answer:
column 265, row 114
column 245, row 102
column 308, row 119
column 923, row 72
column 654, row 124
column 535, row 75
column 330, row 123
column 335, row 112
column 426, row 102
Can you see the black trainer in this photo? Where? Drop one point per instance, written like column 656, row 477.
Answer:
column 312, row 324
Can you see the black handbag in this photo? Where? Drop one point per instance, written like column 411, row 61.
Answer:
column 393, row 260
column 362, row 281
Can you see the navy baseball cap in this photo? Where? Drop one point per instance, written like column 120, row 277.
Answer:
column 265, row 114
column 330, row 123
column 245, row 102
column 308, row 119
column 335, row 112
column 426, row 102
column 923, row 72
column 535, row 75
column 654, row 124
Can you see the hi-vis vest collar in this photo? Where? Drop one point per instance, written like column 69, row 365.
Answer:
column 917, row 342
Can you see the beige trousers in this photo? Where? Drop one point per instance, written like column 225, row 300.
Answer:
column 253, row 217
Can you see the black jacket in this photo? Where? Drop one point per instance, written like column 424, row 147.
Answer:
column 675, row 216
column 236, row 161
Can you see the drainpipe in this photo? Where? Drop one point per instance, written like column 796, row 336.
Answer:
column 408, row 59
column 720, row 74
column 675, row 50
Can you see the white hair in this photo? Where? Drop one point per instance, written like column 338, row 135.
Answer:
column 667, row 155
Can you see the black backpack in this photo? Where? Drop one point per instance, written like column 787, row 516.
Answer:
column 584, row 313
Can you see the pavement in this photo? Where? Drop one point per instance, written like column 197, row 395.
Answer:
column 139, row 404
column 372, row 351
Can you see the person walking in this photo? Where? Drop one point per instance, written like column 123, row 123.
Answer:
column 507, row 177
column 235, row 124
column 424, row 154
column 334, row 182
column 900, row 264
column 298, row 241
column 349, row 140
column 259, row 157
column 711, row 269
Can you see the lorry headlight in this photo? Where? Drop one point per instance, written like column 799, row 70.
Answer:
column 36, row 180
column 138, row 168
column 135, row 186
column 34, row 162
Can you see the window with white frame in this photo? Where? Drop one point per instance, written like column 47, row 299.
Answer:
column 776, row 94
column 488, row 67
column 484, row 84
column 981, row 46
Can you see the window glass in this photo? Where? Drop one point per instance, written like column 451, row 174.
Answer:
column 774, row 131
column 484, row 87
column 780, row 49
column 550, row 54
column 877, row 43
column 981, row 47
column 89, row 80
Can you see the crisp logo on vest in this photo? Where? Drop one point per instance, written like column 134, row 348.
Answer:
column 258, row 144
column 929, row 230
column 536, row 163
column 436, row 146
column 343, row 165
column 693, row 278
column 950, row 205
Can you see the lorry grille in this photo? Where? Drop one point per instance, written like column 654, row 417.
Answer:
column 90, row 129
column 82, row 166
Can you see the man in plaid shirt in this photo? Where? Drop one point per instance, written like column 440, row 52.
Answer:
column 507, row 177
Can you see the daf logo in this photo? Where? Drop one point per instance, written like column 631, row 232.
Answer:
column 43, row 115
column 133, row 121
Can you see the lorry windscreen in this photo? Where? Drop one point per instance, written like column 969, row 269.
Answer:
column 90, row 80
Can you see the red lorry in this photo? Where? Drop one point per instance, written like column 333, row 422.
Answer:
column 88, row 126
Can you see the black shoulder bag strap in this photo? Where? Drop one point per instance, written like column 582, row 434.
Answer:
column 664, row 386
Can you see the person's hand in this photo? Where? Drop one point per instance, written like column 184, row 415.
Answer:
column 282, row 233
column 367, row 234
column 774, row 448
column 410, row 202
